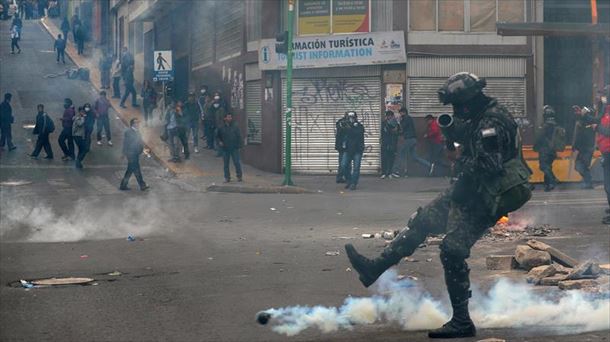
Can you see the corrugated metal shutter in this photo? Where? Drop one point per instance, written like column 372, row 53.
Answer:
column 202, row 37
column 254, row 112
column 229, row 29
column 317, row 104
column 444, row 66
column 423, row 99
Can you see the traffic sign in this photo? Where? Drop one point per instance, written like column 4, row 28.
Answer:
column 163, row 66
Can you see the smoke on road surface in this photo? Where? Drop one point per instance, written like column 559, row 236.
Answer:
column 403, row 302
column 86, row 219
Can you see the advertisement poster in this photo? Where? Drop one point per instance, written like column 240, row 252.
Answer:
column 350, row 16
column 314, row 16
column 333, row 16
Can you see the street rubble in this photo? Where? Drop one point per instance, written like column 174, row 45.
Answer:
column 548, row 266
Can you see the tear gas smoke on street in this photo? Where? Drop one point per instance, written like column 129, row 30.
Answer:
column 403, row 302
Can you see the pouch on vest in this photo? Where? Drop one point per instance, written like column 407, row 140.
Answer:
column 502, row 195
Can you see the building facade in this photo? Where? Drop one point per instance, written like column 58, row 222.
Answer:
column 362, row 55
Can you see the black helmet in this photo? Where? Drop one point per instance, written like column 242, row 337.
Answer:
column 461, row 88
column 548, row 112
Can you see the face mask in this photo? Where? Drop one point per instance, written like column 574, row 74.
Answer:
column 203, row 91
column 87, row 109
column 216, row 105
column 216, row 98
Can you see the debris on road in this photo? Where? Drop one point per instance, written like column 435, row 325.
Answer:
column 587, row 270
column 332, row 253
column 556, row 254
column 62, row 281
column 577, row 284
column 409, row 259
column 389, row 235
column 84, row 256
column 515, row 231
column 501, row 262
column 273, row 209
column 492, row 339
column 434, row 241
column 15, row 183
column 26, row 284
column 529, row 258
column 605, row 268
column 115, row 273
column 368, row 236
column 348, row 269
column 538, row 273
column 131, row 238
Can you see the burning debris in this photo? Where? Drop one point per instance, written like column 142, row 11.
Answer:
column 517, row 228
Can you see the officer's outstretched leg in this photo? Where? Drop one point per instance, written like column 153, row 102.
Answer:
column 429, row 219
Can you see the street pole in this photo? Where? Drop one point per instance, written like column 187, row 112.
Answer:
column 288, row 150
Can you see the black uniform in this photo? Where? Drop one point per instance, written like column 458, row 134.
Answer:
column 585, row 145
column 340, row 145
column 133, row 146
column 389, row 144
column 6, row 121
column 492, row 181
column 546, row 152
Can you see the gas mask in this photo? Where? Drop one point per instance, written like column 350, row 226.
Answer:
column 216, row 105
column 203, row 91
column 216, row 97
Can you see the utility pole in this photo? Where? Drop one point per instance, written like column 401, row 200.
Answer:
column 288, row 149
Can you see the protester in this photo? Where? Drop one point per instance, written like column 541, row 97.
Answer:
column 127, row 62
column 434, row 137
column 6, row 121
column 65, row 27
column 340, row 136
column 354, row 148
column 603, row 142
column 176, row 129
column 90, row 117
column 79, row 136
column 14, row 31
column 208, row 125
column 584, row 144
column 191, row 112
column 216, row 111
column 133, row 146
column 105, row 66
column 149, row 100
column 408, row 147
column 116, row 78
column 66, row 133
column 44, row 126
column 79, row 38
column 545, row 145
column 230, row 142
column 389, row 141
column 128, row 81
column 60, row 47
column 75, row 25
column 102, row 106
column 19, row 24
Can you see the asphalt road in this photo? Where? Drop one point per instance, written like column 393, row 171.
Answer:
column 204, row 263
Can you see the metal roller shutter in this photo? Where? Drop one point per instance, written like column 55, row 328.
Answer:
column 253, row 112
column 423, row 99
column 317, row 104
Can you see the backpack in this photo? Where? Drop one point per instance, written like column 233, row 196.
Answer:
column 51, row 128
column 558, row 140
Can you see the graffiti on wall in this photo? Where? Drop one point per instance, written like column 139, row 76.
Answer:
column 319, row 104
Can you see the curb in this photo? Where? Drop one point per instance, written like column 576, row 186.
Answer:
column 256, row 189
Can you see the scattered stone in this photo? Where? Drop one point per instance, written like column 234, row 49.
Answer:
column 433, row 241
column 429, row 260
column 529, row 258
column 552, row 281
column 493, row 339
column 577, row 284
column 587, row 270
column 368, row 236
column 562, row 269
column 501, row 262
column 332, row 253
column 605, row 268
column 537, row 273
column 389, row 235
column 556, row 254
column 409, row 259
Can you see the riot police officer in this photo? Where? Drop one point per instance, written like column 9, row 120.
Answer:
column 544, row 146
column 491, row 182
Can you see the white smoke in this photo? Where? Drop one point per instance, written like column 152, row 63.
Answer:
column 404, row 303
column 86, row 219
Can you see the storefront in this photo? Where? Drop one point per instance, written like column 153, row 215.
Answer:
column 334, row 74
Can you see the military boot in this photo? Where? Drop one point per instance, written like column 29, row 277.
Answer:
column 460, row 324
column 370, row 269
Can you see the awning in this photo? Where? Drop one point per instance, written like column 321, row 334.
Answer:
column 552, row 29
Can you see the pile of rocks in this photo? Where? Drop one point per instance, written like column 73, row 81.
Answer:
column 548, row 266
column 504, row 232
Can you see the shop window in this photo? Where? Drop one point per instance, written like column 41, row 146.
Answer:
column 450, row 15
column 422, row 15
column 482, row 15
column 511, row 11
column 253, row 19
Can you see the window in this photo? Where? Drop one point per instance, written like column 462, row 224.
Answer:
column 463, row 15
column 253, row 19
column 139, row 37
column 131, row 36
column 229, row 29
column 333, row 16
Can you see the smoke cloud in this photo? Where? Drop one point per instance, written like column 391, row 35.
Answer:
column 403, row 302
column 86, row 219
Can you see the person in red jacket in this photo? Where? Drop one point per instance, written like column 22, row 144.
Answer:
column 603, row 143
column 435, row 141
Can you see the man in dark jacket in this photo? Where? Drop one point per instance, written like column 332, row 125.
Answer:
column 6, row 120
column 65, row 28
column 133, row 146
column 208, row 124
column 101, row 107
column 389, row 142
column 191, row 112
column 44, row 127
column 340, row 133
column 216, row 111
column 584, row 143
column 60, row 47
column 129, row 88
column 66, row 131
column 90, row 117
column 354, row 148
column 229, row 141
column 408, row 148
column 545, row 149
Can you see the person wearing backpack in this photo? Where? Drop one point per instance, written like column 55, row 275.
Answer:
column 44, row 127
column 550, row 140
